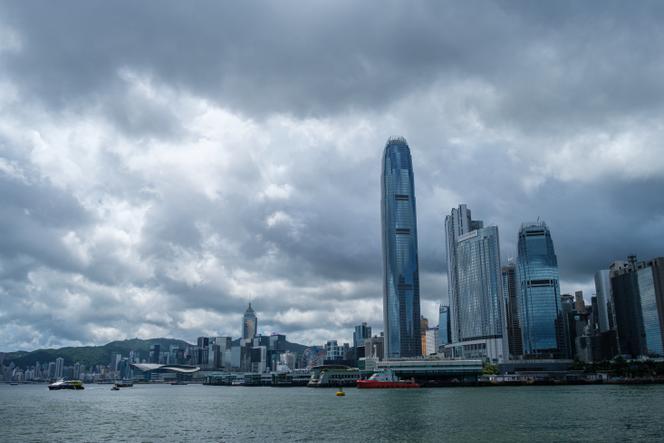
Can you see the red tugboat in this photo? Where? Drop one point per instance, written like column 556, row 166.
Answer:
column 386, row 380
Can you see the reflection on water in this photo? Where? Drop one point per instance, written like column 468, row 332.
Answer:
column 202, row 413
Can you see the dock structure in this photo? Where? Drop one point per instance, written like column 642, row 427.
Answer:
column 433, row 369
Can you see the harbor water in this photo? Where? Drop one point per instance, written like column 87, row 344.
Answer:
column 196, row 413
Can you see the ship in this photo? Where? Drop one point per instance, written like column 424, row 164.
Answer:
column 66, row 384
column 386, row 379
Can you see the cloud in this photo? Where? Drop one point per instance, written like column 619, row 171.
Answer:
column 161, row 167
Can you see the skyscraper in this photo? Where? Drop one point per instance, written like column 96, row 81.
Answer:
column 249, row 324
column 459, row 222
column 514, row 342
column 475, row 287
column 604, row 299
column 539, row 292
column 479, row 282
column 443, row 326
column 361, row 333
column 59, row 367
column 638, row 294
column 401, row 286
column 651, row 293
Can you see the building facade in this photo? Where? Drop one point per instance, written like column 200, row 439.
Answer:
column 628, row 314
column 443, row 327
column 361, row 333
column 514, row 343
column 401, row 286
column 458, row 223
column 651, row 292
column 480, row 293
column 604, row 300
column 539, row 292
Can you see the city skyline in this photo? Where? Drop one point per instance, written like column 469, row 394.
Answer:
column 153, row 185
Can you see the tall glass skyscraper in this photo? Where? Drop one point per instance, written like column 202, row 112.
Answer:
column 475, row 288
column 401, row 285
column 480, row 285
column 539, row 291
column 459, row 222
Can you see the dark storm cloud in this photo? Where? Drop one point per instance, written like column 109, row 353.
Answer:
column 162, row 164
column 318, row 57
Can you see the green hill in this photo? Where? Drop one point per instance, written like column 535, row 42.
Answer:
column 90, row 355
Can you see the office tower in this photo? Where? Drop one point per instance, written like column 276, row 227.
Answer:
column 629, row 320
column 568, row 323
column 651, row 292
column 539, row 292
column 249, row 324
column 443, row 327
column 59, row 367
column 480, row 296
column 638, row 296
column 458, row 223
column 579, row 302
column 604, row 299
column 514, row 342
column 203, row 342
column 155, row 351
column 401, row 286
column 50, row 372
column 361, row 333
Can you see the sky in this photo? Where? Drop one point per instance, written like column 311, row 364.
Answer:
column 163, row 163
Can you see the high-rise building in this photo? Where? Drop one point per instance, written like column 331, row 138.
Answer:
column 401, row 285
column 579, row 302
column 458, row 223
column 443, row 326
column 203, row 342
column 627, row 303
column 155, row 353
column 361, row 333
column 539, row 292
column 638, row 298
column 59, row 367
column 514, row 342
column 249, row 324
column 604, row 299
column 651, row 292
column 480, row 296
column 474, row 287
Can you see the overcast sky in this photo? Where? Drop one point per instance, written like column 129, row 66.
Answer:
column 164, row 163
